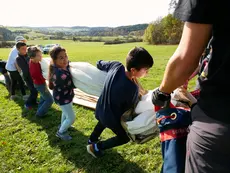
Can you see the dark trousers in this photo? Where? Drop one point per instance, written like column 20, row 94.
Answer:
column 16, row 78
column 208, row 145
column 7, row 81
column 7, row 78
column 120, row 138
column 32, row 99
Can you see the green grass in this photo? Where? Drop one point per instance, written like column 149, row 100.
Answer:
column 4, row 53
column 29, row 144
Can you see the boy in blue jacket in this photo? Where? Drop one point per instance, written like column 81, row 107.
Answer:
column 119, row 94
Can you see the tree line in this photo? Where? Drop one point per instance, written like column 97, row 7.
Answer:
column 165, row 30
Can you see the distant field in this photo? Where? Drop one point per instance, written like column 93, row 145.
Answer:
column 29, row 145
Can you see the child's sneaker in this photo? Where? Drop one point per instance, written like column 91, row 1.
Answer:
column 28, row 107
column 91, row 142
column 93, row 150
column 64, row 136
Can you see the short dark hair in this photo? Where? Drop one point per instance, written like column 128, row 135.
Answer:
column 32, row 51
column 55, row 51
column 138, row 58
column 20, row 44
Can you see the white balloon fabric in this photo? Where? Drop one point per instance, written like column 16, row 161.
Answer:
column 86, row 77
column 145, row 121
column 45, row 62
column 145, row 103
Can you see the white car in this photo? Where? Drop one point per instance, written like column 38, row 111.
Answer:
column 47, row 48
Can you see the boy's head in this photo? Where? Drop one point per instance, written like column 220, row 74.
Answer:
column 34, row 53
column 22, row 48
column 138, row 62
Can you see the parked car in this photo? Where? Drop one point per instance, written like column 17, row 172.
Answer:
column 48, row 47
column 41, row 47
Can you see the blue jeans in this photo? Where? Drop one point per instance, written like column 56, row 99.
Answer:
column 68, row 117
column 46, row 100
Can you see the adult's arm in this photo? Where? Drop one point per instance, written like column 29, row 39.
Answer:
column 184, row 61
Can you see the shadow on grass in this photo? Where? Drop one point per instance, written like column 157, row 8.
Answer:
column 75, row 150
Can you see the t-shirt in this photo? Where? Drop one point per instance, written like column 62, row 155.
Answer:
column 119, row 94
column 63, row 85
column 36, row 73
column 10, row 65
column 215, row 94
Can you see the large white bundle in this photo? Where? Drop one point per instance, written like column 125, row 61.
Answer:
column 143, row 122
column 45, row 62
column 145, row 103
column 86, row 77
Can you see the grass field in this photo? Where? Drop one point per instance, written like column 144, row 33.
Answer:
column 30, row 145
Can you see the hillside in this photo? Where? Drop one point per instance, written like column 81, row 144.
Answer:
column 60, row 31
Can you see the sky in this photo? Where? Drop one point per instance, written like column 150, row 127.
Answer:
column 91, row 13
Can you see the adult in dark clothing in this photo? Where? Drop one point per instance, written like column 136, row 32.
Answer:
column 23, row 63
column 119, row 94
column 5, row 74
column 208, row 141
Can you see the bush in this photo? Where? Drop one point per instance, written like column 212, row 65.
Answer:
column 4, row 44
column 118, row 41
column 45, row 38
column 114, row 42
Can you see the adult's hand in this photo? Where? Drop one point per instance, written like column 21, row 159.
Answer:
column 160, row 99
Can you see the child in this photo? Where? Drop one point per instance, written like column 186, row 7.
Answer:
column 23, row 63
column 5, row 74
column 14, row 74
column 120, row 93
column 60, row 80
column 46, row 100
